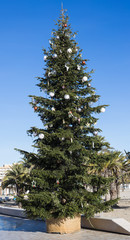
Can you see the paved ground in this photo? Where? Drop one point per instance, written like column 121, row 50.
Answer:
column 12, row 228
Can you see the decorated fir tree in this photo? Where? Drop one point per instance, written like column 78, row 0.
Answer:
column 65, row 179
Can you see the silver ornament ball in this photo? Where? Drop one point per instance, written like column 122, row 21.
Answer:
column 52, row 94
column 41, row 135
column 102, row 110
column 45, row 58
column 69, row 50
column 84, row 79
column 66, row 96
column 54, row 55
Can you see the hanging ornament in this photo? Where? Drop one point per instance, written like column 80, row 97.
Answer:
column 70, row 152
column 49, row 74
column 26, row 197
column 57, row 181
column 63, row 121
column 62, row 138
column 35, row 108
column 71, row 140
column 79, row 109
column 95, row 133
column 33, row 184
column 41, row 135
column 53, row 109
column 84, row 79
column 83, row 62
column 60, row 51
column 45, row 58
column 76, row 49
column 57, row 37
column 54, row 55
column 67, row 68
column 51, row 125
column 63, row 200
column 63, row 86
column 70, row 114
column 92, row 144
column 50, row 42
column 102, row 110
column 66, row 96
column 65, row 25
column 89, row 85
column 78, row 67
column 69, row 50
column 78, row 120
column 52, row 94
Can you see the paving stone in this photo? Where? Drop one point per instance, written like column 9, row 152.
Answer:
column 12, row 228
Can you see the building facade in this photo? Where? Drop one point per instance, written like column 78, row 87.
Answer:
column 9, row 190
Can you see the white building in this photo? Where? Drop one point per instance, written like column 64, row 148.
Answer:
column 9, row 190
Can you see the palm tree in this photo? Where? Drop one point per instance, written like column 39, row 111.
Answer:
column 17, row 176
column 126, row 169
column 114, row 168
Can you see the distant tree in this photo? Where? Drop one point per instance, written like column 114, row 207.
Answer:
column 126, row 169
column 117, row 167
column 17, row 176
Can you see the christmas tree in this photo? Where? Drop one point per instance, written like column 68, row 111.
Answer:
column 65, row 179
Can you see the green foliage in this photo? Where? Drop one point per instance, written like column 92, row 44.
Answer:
column 17, row 175
column 66, row 167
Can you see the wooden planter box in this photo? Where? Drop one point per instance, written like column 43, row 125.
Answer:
column 64, row 225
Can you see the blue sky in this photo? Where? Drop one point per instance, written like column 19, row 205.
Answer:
column 103, row 34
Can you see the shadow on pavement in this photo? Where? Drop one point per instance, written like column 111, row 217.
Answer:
column 8, row 223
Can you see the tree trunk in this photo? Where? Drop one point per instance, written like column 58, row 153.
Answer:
column 118, row 190
column 113, row 192
column 17, row 190
column 20, row 205
column 18, row 194
column 107, row 196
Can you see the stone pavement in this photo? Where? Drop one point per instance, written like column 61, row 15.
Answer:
column 12, row 228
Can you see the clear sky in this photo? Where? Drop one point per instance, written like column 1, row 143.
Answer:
column 104, row 35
